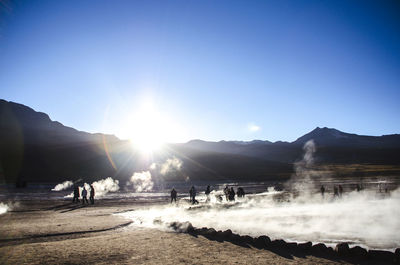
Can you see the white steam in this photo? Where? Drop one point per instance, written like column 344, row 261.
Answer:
column 62, row 186
column 104, row 186
column 3, row 208
column 171, row 164
column 141, row 181
column 362, row 218
column 302, row 180
column 101, row 187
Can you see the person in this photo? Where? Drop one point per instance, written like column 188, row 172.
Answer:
column 240, row 192
column 358, row 187
column 91, row 197
column 173, row 195
column 208, row 191
column 193, row 195
column 335, row 191
column 76, row 194
column 84, row 196
column 340, row 190
column 232, row 194
column 322, row 190
column 226, row 192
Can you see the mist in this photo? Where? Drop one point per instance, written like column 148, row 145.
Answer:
column 101, row 187
column 63, row 186
column 3, row 208
column 366, row 218
column 141, row 181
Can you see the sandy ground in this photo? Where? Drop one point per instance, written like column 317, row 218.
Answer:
column 48, row 232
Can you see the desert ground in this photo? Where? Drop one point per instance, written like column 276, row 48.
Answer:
column 49, row 232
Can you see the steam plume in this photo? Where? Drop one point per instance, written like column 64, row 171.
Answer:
column 363, row 218
column 302, row 179
column 62, row 186
column 141, row 181
column 101, row 187
column 171, row 164
column 3, row 208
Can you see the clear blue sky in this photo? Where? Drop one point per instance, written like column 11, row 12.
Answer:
column 233, row 70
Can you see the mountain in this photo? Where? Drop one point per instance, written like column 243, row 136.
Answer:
column 34, row 148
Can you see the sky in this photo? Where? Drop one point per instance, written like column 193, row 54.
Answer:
column 211, row 70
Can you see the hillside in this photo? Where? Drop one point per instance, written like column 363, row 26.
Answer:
column 34, row 148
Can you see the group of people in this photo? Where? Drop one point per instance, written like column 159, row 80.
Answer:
column 337, row 190
column 229, row 194
column 84, row 195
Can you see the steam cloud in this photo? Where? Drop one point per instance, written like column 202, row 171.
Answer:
column 302, row 179
column 63, row 186
column 171, row 164
column 365, row 218
column 3, row 208
column 141, row 181
column 104, row 186
column 101, row 187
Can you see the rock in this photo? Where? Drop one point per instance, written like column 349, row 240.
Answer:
column 342, row 249
column 382, row 255
column 185, row 227
column 319, row 249
column 305, row 246
column 292, row 245
column 235, row 238
column 278, row 243
column 247, row 239
column 210, row 232
column 397, row 254
column 262, row 242
column 358, row 252
column 227, row 234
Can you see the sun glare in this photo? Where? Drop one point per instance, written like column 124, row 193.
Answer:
column 149, row 129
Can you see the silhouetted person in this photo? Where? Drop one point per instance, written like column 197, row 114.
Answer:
column 226, row 192
column 208, row 191
column 335, row 191
column 358, row 188
column 84, row 196
column 91, row 197
column 240, row 192
column 173, row 195
column 231, row 194
column 76, row 194
column 340, row 190
column 193, row 195
column 322, row 190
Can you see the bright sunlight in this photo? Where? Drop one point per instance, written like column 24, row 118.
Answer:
column 148, row 129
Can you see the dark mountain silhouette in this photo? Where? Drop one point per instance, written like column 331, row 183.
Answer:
column 34, row 148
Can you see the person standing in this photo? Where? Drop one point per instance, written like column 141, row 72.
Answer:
column 76, row 194
column 173, row 195
column 91, row 197
column 84, row 196
column 193, row 195
column 322, row 190
column 208, row 191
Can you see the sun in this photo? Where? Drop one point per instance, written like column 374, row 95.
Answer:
column 149, row 129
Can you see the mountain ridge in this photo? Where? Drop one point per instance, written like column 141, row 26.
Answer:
column 35, row 148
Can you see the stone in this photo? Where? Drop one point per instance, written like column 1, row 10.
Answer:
column 247, row 239
column 262, row 242
column 278, row 243
column 358, row 252
column 319, row 249
column 305, row 246
column 342, row 249
column 382, row 255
